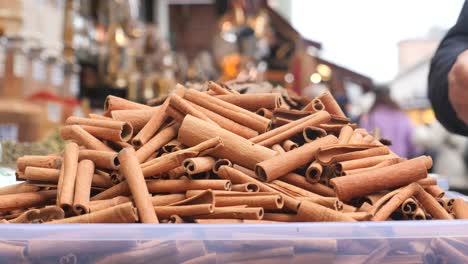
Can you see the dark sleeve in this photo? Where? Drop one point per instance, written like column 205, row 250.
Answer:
column 454, row 43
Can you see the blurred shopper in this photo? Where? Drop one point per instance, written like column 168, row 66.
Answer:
column 448, row 151
column 391, row 122
column 448, row 77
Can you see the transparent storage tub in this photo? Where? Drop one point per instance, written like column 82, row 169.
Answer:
column 363, row 242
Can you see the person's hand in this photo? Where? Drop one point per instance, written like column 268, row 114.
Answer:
column 458, row 86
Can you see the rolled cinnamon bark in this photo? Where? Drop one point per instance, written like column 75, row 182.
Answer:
column 99, row 117
column 360, row 216
column 113, row 103
column 41, row 174
column 227, row 123
column 120, row 189
column 219, row 163
column 300, row 181
column 99, row 205
column 460, row 209
column 388, row 177
column 171, row 145
column 419, row 214
column 265, row 113
column 175, row 114
column 198, row 164
column 366, row 163
column 84, row 177
column 280, row 165
column 363, row 163
column 101, row 159
column 280, row 217
column 124, row 213
column 10, row 202
column 427, row 181
column 167, row 199
column 42, row 215
column 157, row 142
column 130, row 168
column 51, row 162
column 330, row 104
column 153, row 125
column 165, row 212
column 431, row 205
column 269, row 202
column 175, row 174
column 175, row 219
column 251, row 213
column 83, row 138
column 313, row 172
column 70, row 167
column 233, row 112
column 405, row 193
column 235, row 148
column 338, row 153
column 173, row 160
column 217, row 89
column 246, row 187
column 435, row 191
column 312, row 133
column 186, row 109
column 284, row 132
column 18, row 188
column 136, row 118
column 446, row 203
column 357, row 138
column 253, row 102
column 312, row 212
column 238, row 177
column 292, row 189
column 176, row 186
column 289, row 145
column 329, row 202
column 409, row 206
column 278, row 148
column 345, row 134
column 44, row 175
column 104, row 129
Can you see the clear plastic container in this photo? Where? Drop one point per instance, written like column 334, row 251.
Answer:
column 363, row 242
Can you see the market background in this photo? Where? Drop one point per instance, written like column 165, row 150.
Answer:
column 63, row 57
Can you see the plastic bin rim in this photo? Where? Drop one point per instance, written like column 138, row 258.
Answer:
column 286, row 231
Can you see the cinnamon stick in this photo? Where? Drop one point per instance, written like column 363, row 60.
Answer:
column 83, row 138
column 70, row 167
column 124, row 213
column 253, row 102
column 157, row 142
column 227, row 123
column 130, row 168
column 284, row 132
column 153, row 125
column 113, row 103
column 112, row 130
column 136, row 118
column 460, row 209
column 280, row 165
column 233, row 112
column 51, row 162
column 102, row 159
column 235, row 148
column 84, row 177
column 388, row 177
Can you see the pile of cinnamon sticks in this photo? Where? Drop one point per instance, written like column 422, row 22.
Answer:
column 219, row 156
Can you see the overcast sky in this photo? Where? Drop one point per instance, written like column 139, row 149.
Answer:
column 363, row 34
